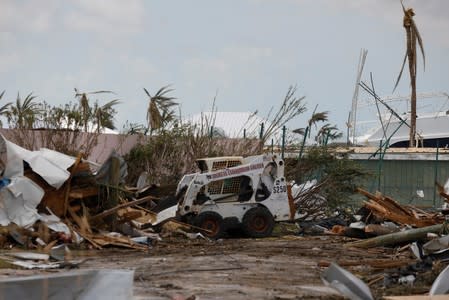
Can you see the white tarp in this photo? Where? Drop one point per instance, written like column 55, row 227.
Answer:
column 19, row 199
column 50, row 165
column 18, row 202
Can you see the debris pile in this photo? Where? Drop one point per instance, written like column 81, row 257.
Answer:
column 49, row 200
column 419, row 238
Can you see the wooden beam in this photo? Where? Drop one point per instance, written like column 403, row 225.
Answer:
column 115, row 209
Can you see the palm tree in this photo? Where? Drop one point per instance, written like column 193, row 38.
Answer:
column 160, row 108
column 23, row 115
column 327, row 132
column 413, row 36
column 84, row 105
column 314, row 119
column 4, row 108
column 104, row 115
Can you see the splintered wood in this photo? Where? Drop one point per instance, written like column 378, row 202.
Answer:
column 442, row 192
column 387, row 208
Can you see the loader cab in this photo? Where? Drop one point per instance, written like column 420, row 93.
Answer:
column 237, row 188
column 218, row 163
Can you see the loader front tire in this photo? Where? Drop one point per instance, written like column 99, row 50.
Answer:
column 212, row 222
column 258, row 222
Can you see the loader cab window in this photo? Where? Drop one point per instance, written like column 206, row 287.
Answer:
column 266, row 182
column 246, row 190
column 202, row 166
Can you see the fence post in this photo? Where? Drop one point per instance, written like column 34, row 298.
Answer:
column 379, row 166
column 211, row 134
column 306, row 132
column 244, row 133
column 261, row 130
column 283, row 141
column 272, row 146
column 436, row 172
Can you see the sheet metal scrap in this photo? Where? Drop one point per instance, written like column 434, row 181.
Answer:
column 81, row 284
column 346, row 283
column 440, row 286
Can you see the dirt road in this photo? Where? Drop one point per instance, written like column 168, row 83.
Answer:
column 285, row 267
column 271, row 268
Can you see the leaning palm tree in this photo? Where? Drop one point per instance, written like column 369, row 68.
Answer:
column 413, row 36
column 160, row 108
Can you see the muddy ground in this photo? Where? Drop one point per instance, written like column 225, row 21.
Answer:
column 283, row 267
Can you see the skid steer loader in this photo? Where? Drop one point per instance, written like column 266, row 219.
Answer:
column 250, row 193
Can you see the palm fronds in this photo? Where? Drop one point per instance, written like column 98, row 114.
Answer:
column 160, row 108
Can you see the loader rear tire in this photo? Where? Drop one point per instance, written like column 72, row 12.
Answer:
column 258, row 222
column 212, row 222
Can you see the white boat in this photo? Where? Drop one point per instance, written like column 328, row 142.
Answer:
column 432, row 131
column 432, row 123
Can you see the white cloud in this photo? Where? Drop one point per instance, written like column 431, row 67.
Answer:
column 34, row 16
column 110, row 16
column 207, row 65
column 247, row 54
column 8, row 62
column 431, row 16
column 138, row 68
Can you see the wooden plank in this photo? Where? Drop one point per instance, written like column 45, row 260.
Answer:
column 68, row 183
column 115, row 209
column 80, row 193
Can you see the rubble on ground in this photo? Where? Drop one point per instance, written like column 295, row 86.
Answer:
column 51, row 203
column 49, row 199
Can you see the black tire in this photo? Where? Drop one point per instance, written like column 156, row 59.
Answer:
column 212, row 222
column 258, row 222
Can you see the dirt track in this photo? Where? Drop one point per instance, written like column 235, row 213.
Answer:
column 286, row 267
column 272, row 268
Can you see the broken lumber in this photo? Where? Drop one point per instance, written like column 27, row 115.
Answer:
column 442, row 192
column 387, row 208
column 118, row 207
column 397, row 237
column 68, row 185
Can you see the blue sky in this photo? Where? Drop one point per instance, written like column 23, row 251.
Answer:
column 249, row 51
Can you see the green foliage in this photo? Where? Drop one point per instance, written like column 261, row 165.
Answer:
column 291, row 107
column 338, row 174
column 38, row 124
column 171, row 154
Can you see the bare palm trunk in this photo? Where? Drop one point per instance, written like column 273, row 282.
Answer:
column 413, row 114
column 412, row 69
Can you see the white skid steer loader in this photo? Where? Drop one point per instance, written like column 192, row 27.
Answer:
column 250, row 193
